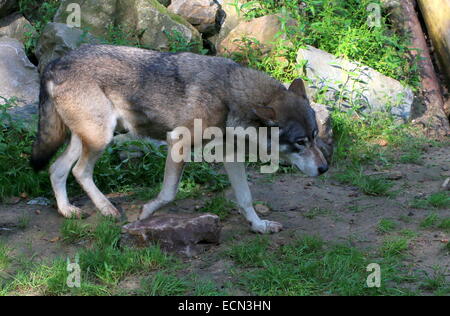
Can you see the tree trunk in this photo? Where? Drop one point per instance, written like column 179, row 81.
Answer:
column 433, row 119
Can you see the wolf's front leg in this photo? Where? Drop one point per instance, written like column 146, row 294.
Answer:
column 238, row 178
column 172, row 177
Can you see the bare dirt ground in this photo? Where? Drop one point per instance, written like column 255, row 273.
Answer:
column 322, row 207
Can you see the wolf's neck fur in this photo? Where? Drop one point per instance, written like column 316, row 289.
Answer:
column 253, row 88
column 250, row 89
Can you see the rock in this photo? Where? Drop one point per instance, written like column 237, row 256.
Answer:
column 263, row 30
column 96, row 15
column 262, row 209
column 368, row 88
column 436, row 14
column 19, row 78
column 174, row 232
column 201, row 14
column 42, row 201
column 8, row 6
column 153, row 21
column 57, row 40
column 25, row 115
column 17, row 27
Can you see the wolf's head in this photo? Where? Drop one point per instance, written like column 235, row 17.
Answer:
column 292, row 113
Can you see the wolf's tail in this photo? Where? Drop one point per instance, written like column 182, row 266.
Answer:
column 52, row 131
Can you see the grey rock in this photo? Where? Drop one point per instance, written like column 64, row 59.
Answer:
column 184, row 234
column 153, row 21
column 41, row 201
column 365, row 86
column 57, row 40
column 17, row 27
column 19, row 78
column 96, row 15
column 201, row 14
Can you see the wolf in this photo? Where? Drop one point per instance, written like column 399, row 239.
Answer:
column 97, row 89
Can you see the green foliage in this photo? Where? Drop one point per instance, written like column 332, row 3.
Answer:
column 338, row 27
column 163, row 284
column 39, row 13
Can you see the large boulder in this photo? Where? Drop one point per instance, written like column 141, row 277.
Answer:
column 154, row 23
column 202, row 14
column 354, row 82
column 96, row 15
column 16, row 26
column 263, row 30
column 57, row 40
column 19, row 78
column 8, row 7
column 181, row 233
column 437, row 18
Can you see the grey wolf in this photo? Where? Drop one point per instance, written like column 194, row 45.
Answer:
column 97, row 89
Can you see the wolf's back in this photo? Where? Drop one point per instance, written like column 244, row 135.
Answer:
column 52, row 131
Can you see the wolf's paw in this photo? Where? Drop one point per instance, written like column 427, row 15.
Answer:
column 70, row 212
column 110, row 210
column 267, row 227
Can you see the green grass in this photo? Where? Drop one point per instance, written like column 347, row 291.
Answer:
column 5, row 258
column 437, row 283
column 219, row 206
column 394, row 246
column 439, row 200
column 307, row 266
column 163, row 284
column 386, row 226
column 430, row 221
column 73, row 231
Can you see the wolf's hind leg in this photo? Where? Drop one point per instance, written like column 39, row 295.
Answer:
column 238, row 178
column 172, row 176
column 59, row 172
column 83, row 172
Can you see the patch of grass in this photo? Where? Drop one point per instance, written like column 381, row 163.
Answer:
column 251, row 253
column 386, row 226
column 24, row 221
column 163, row 284
column 394, row 246
column 219, row 206
column 445, row 224
column 437, row 283
column 430, row 221
column 316, row 211
column 73, row 231
column 5, row 258
column 308, row 266
column 437, row 200
column 370, row 185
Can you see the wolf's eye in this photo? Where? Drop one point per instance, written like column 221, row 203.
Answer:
column 301, row 142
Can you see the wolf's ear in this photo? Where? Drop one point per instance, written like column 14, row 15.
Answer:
column 298, row 87
column 267, row 114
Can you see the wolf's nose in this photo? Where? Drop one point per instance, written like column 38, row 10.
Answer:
column 323, row 169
